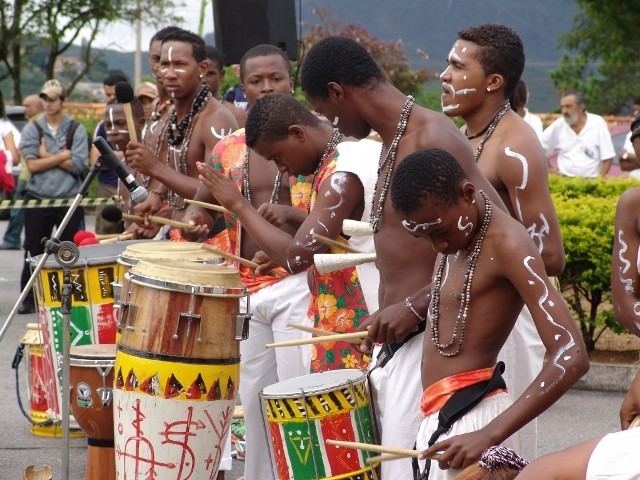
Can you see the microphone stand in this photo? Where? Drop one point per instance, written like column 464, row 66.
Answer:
column 67, row 254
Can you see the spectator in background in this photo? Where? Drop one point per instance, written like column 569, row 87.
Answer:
column 581, row 140
column 628, row 159
column 213, row 78
column 11, row 239
column 147, row 92
column 519, row 99
column 236, row 94
column 107, row 185
column 9, row 154
column 57, row 162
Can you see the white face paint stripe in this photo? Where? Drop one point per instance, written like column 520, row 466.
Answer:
column 464, row 91
column 170, row 52
column 446, row 108
column 111, row 116
column 423, row 226
column 464, row 228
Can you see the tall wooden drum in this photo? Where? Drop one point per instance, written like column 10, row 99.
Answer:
column 177, row 369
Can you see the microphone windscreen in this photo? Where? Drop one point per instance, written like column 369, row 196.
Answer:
column 81, row 235
column 111, row 213
column 124, row 92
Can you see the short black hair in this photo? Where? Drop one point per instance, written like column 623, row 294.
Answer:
column 185, row 36
column 426, row 175
column 136, row 106
column 501, row 51
column 114, row 77
column 518, row 98
column 271, row 116
column 340, row 60
column 213, row 54
column 160, row 35
column 264, row 50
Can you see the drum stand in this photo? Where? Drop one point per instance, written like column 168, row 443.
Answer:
column 67, row 254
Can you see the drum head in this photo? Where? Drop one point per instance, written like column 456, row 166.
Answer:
column 165, row 249
column 186, row 274
column 105, row 351
column 313, row 383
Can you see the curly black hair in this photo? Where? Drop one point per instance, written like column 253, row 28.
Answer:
column 264, row 50
column 501, row 51
column 340, row 60
column 271, row 116
column 426, row 175
column 185, row 36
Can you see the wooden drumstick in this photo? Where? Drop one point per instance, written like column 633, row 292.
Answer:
column 378, row 448
column 354, row 228
column 330, row 262
column 635, row 423
column 117, row 238
column 159, row 220
column 317, row 331
column 231, row 256
column 209, row 206
column 337, row 337
column 335, row 244
column 384, row 457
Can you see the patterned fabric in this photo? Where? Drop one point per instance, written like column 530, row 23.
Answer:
column 338, row 304
column 436, row 395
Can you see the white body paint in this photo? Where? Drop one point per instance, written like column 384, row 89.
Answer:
column 407, row 224
column 467, row 228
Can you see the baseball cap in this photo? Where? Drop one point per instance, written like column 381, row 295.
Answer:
column 52, row 89
column 146, row 89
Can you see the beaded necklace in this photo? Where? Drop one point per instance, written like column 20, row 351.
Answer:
column 390, row 158
column 184, row 130
column 465, row 301
column 490, row 129
column 336, row 138
column 246, row 191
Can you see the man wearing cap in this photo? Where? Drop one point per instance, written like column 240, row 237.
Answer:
column 57, row 164
column 147, row 92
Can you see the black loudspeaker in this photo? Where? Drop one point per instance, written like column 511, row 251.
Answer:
column 242, row 24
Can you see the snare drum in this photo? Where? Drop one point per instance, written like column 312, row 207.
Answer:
column 91, row 380
column 301, row 413
column 92, row 317
column 177, row 368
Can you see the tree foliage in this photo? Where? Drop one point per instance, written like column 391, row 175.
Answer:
column 586, row 211
column 606, row 60
column 52, row 26
column 389, row 55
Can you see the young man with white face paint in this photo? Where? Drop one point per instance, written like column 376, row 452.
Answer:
column 196, row 122
column 487, row 269
column 485, row 64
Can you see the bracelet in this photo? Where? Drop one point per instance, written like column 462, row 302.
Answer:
column 407, row 303
column 159, row 193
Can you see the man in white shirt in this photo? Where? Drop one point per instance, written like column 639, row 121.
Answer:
column 581, row 140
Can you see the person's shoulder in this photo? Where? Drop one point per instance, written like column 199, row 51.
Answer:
column 630, row 197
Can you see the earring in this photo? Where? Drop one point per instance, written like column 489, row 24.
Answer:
column 488, row 89
column 201, row 75
column 293, row 91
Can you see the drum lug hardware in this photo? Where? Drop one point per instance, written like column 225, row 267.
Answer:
column 189, row 317
column 242, row 326
column 123, row 315
column 106, row 393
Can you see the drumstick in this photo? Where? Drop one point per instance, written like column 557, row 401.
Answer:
column 317, row 331
column 209, row 206
column 635, row 423
column 231, row 256
column 118, row 238
column 159, row 220
column 106, row 236
column 384, row 457
column 354, row 228
column 378, row 448
column 335, row 244
column 338, row 337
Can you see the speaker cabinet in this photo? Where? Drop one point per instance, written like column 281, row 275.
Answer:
column 242, row 24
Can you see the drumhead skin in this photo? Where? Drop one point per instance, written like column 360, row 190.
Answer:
column 313, row 383
column 166, row 249
column 93, row 352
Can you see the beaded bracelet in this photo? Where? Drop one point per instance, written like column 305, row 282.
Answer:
column 407, row 303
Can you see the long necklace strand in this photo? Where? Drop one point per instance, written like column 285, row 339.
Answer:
column 389, row 158
column 246, row 190
column 336, row 138
column 465, row 301
column 490, row 129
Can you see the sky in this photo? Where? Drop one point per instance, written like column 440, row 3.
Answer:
column 121, row 36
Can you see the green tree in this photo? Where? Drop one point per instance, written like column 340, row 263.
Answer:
column 606, row 60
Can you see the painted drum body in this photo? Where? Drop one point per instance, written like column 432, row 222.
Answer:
column 177, row 369
column 301, row 413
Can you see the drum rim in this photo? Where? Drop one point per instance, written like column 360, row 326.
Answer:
column 358, row 377
column 196, row 289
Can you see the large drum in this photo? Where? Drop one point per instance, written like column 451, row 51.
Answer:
column 177, row 369
column 91, row 381
column 92, row 317
column 301, row 413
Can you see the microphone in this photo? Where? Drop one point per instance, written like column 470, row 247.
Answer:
column 111, row 213
column 124, row 95
column 138, row 193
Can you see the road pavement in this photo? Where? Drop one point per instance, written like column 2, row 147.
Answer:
column 577, row 416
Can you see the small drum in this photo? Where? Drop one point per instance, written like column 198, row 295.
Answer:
column 92, row 316
column 177, row 369
column 301, row 413
column 91, row 380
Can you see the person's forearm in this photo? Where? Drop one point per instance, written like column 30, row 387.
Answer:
column 42, row 164
column 604, row 169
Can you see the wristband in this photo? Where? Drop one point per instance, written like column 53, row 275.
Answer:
column 159, row 193
column 407, row 303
